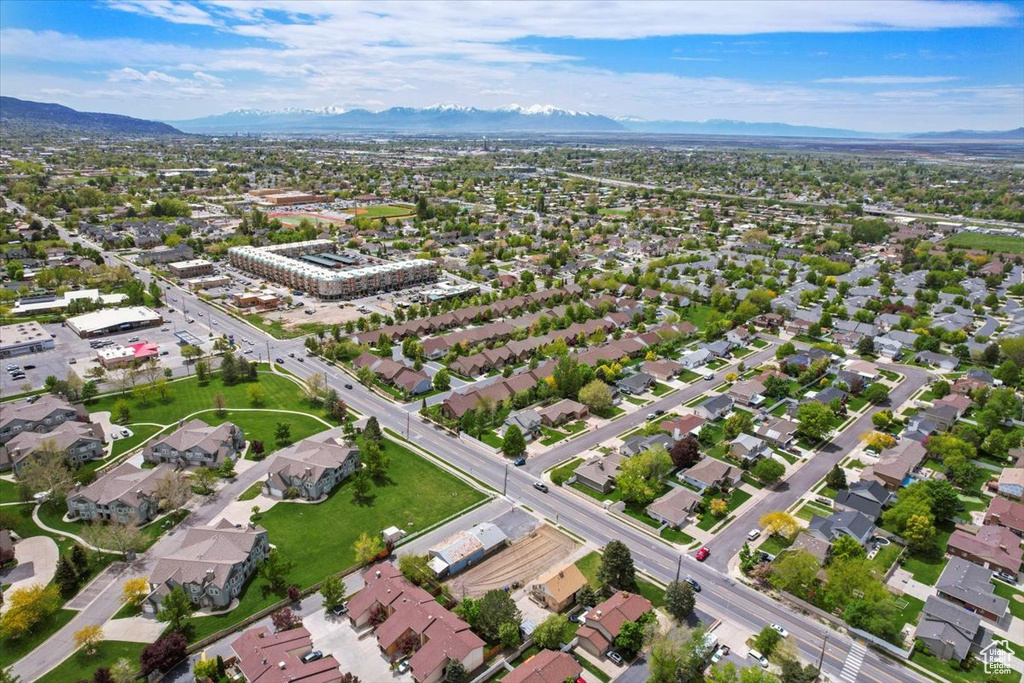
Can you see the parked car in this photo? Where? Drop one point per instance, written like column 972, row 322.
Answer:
column 614, row 656
column 520, row 461
column 703, row 553
column 693, row 584
column 1005, row 576
column 759, row 658
column 543, row 488
column 579, row 618
column 312, row 656
column 753, row 534
column 340, row 609
column 403, row 666
column 30, row 367
column 125, row 432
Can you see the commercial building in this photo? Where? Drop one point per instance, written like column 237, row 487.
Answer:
column 113, row 356
column 284, row 197
column 208, row 282
column 50, row 303
column 192, row 268
column 308, row 267
column 22, row 338
column 114, row 320
column 261, row 301
column 465, row 548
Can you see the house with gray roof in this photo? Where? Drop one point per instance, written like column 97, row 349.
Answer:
column 715, row 407
column 635, row 384
column 848, row 522
column 938, row 360
column 465, row 548
column 528, row 421
column 696, row 359
column 124, row 494
column 311, row 469
column 748, row 448
column 950, row 631
column 674, row 507
column 42, row 415
column 197, row 444
column 970, row 585
column 78, row 441
column 867, row 497
column 640, row 443
column 709, row 473
column 599, row 471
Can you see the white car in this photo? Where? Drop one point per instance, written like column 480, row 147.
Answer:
column 781, row 631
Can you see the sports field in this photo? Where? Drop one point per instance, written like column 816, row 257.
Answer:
column 292, row 220
column 384, row 210
column 1006, row 244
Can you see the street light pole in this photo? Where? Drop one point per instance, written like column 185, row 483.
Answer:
column 679, row 567
column 504, row 486
column 821, row 660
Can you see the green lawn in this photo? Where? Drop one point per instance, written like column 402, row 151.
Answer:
column 589, row 564
column 742, row 353
column 388, row 210
column 909, row 614
column 737, row 498
column 80, row 666
column 688, row 376
column 1004, row 590
column 809, row 509
column 491, row 439
column 9, row 491
column 251, row 492
column 277, row 330
column 775, row 544
column 551, row 436
column 261, row 426
column 140, row 434
column 947, row 673
column 575, row 427
column 13, row 650
column 759, row 343
column 567, row 469
column 676, row 536
column 660, row 389
column 1006, row 244
column 885, row 557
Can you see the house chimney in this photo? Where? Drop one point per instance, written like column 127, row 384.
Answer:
column 280, row 665
column 377, row 573
column 598, row 614
column 309, row 471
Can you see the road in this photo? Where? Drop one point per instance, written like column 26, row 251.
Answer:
column 722, row 596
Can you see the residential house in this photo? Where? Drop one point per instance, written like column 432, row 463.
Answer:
column 674, row 507
column 599, row 472
column 938, row 360
column 266, row 657
column 887, row 347
column 411, row 382
column 849, row 522
column 818, row 547
column 866, row 497
column 78, row 441
column 212, row 565
column 556, row 590
column 6, row 547
column 778, row 431
column 768, row 321
column 748, row 392
column 949, row 631
column 547, row 666
column 528, row 421
column 635, row 384
column 748, row 447
column 124, row 494
column 463, row 549
column 662, row 370
column 993, row 547
column 965, row 583
column 561, row 412
column 867, row 370
column 197, row 444
column 696, row 359
column 1011, row 482
column 683, row 426
column 711, row 473
column 715, row 408
column 943, row 415
column 311, row 469
column 604, row 622
column 401, row 611
column 42, row 415
column 639, row 443
column 738, row 336
column 1005, row 513
column 719, row 349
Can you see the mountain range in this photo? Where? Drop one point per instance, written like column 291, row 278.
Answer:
column 18, row 114
column 27, row 116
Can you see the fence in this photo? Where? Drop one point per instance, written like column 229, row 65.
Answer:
column 839, row 624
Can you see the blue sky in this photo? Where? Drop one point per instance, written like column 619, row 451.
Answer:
column 893, row 66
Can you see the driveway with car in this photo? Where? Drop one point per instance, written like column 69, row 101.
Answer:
column 358, row 655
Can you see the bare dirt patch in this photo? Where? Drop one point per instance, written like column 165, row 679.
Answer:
column 326, row 313
column 522, row 561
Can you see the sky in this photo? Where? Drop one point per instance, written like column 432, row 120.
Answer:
column 873, row 65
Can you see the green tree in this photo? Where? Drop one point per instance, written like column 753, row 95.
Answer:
column 847, row 548
column 551, row 632
column 361, row 485
column 597, row 396
column 455, row 672
column 372, row 432
column 568, row 377
column 919, row 532
column 510, row 635
column 282, row 433
column 639, row 477
column 766, row 640
column 65, row 577
column 416, row 568
column 816, row 420
column 768, row 470
column 944, row 498
column 175, row 609
column 679, row 600
column 274, row 570
column 738, row 423
column 616, row 569
column 367, row 547
column 630, row 639
column 513, row 445
column 123, row 411
column 876, row 393
column 333, row 591
column 794, row 572
column 496, row 608
column 836, row 478
column 442, row 380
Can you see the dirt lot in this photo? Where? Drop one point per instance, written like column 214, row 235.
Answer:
column 522, row 561
column 326, row 312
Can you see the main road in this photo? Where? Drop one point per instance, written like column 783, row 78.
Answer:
column 722, row 596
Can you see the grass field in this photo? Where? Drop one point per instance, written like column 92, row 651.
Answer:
column 80, row 666
column 293, row 219
column 13, row 650
column 140, row 434
column 698, row 315
column 1004, row 590
column 589, row 564
column 260, row 426
column 385, row 210
column 1006, row 244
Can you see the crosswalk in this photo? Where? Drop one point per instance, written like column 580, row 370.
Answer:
column 854, row 659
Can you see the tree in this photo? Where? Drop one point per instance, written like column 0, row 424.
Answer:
column 816, row 420
column 836, row 478
column 718, row 507
column 509, row 635
column 65, row 577
column 586, row 596
column 204, row 479
column 617, row 568
column 738, row 423
column 26, row 607
column 768, row 470
column 315, row 388
column 685, row 452
column 551, row 632
column 134, row 590
column 795, row 572
column 442, row 380
column 333, row 591
column 173, row 490
column 361, row 485
column 568, row 377
column 257, row 448
column 877, row 441
column 88, row 637
column 597, row 396
column 163, row 654
column 1013, row 349
column 204, row 669
column 679, row 600
column 122, row 536
column 202, row 372
column 256, row 394
column 766, row 640
column 455, row 672
column 47, row 471
column 176, row 609
column 497, row 608
column 367, row 547
column 285, row 619
column 79, row 559
column 779, row 522
column 283, row 433
column 876, row 393
column 123, row 671
column 639, row 477
column 944, row 497
column 847, row 548
column 274, row 570
column 630, row 639
column 366, row 376
column 785, row 350
column 513, row 445
column 375, row 460
column 919, row 532
column 793, row 672
column 372, row 432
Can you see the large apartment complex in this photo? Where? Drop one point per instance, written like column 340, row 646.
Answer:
column 316, row 268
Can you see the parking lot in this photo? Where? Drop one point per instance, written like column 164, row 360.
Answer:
column 358, row 655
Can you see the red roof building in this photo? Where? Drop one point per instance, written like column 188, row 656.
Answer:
column 265, row 657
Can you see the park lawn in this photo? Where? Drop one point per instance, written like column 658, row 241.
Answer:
column 9, row 491
column 187, row 397
column 13, row 650
column 140, row 434
column 261, row 426
column 418, row 495
column 1004, row 590
column 80, row 666
column 388, row 210
column 1006, row 244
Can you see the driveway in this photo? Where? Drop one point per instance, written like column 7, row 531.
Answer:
column 37, row 561
column 358, row 655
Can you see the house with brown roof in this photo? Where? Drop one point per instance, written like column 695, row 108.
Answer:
column 561, row 412
column 557, row 589
column 674, row 507
column 411, row 382
column 684, row 426
column 711, row 472
column 78, row 441
column 403, row 614
column 197, row 444
column 124, row 494
column 599, row 471
column 664, row 369
column 1005, row 513
column 895, row 464
column 777, row 430
column 212, row 565
column 43, row 415
column 603, row 623
column 312, row 468
column 992, row 547
column 547, row 666
column 266, row 657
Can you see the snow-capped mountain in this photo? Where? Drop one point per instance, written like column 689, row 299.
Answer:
column 441, row 118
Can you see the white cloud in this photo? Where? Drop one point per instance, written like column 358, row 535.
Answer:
column 168, row 10
column 888, row 80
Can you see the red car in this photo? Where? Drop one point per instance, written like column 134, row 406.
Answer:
column 703, row 553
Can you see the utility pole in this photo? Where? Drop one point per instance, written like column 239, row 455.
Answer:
column 679, row 567
column 821, row 660
column 408, row 423
column 504, row 486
